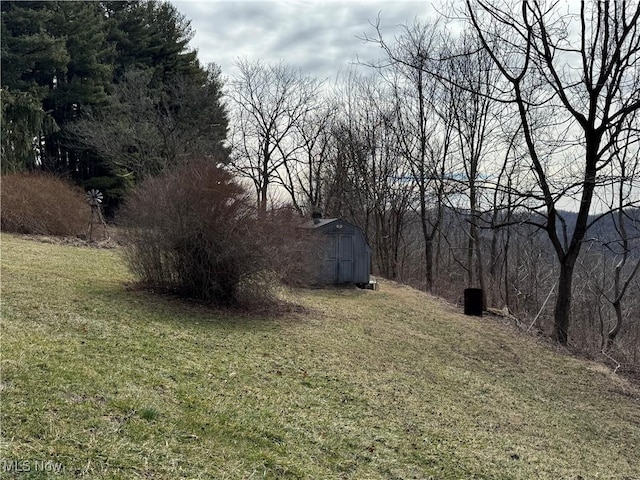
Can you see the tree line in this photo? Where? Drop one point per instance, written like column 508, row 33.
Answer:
column 105, row 93
column 496, row 148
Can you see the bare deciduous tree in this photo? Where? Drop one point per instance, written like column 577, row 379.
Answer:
column 305, row 178
column 147, row 129
column 423, row 123
column 581, row 69
column 270, row 102
column 473, row 83
column 625, row 168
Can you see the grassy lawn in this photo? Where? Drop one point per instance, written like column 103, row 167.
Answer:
column 110, row 383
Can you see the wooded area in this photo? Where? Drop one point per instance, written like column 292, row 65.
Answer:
column 105, row 93
column 501, row 155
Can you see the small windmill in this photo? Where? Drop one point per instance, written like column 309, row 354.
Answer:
column 94, row 199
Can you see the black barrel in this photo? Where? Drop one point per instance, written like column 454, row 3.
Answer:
column 473, row 302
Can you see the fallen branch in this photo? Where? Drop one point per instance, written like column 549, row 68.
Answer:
column 543, row 305
column 618, row 364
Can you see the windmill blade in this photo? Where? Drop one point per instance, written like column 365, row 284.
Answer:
column 94, row 197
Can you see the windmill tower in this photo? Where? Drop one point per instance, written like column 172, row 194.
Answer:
column 94, row 198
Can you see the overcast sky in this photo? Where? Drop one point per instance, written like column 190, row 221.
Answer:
column 320, row 37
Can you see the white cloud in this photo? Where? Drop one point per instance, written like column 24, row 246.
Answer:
column 319, row 37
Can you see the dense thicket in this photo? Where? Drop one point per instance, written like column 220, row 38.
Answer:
column 77, row 75
column 42, row 204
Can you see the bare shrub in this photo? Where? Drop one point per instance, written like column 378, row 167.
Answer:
column 194, row 232
column 293, row 247
column 40, row 203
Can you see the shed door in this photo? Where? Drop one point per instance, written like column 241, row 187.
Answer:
column 345, row 258
column 330, row 274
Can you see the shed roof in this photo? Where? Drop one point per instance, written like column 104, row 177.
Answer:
column 321, row 222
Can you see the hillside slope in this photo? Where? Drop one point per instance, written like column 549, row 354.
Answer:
column 103, row 382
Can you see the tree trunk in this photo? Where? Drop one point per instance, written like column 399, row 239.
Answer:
column 262, row 200
column 480, row 269
column 428, row 242
column 428, row 257
column 562, row 312
column 470, row 269
column 507, row 285
column 613, row 333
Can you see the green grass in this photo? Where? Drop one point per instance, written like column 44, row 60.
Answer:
column 112, row 383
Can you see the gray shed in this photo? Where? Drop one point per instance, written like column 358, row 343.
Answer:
column 346, row 254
